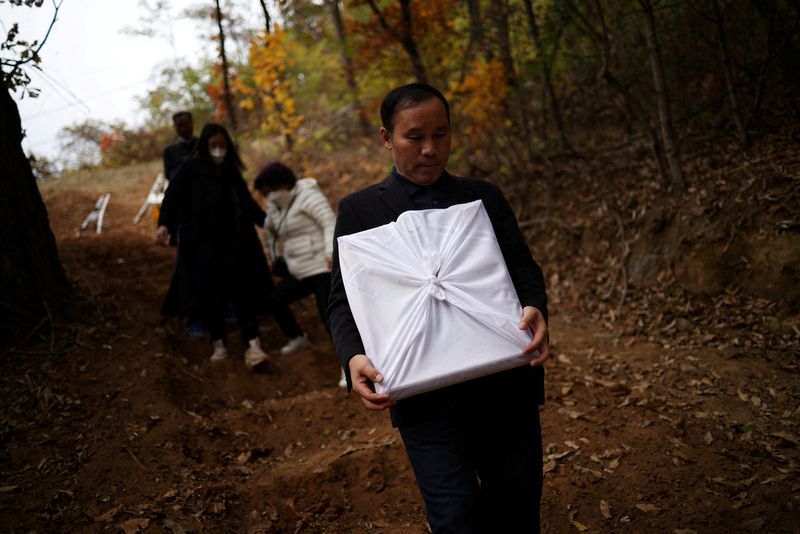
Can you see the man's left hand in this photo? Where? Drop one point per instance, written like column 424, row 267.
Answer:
column 533, row 320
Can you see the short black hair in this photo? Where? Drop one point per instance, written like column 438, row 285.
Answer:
column 408, row 96
column 183, row 113
column 274, row 175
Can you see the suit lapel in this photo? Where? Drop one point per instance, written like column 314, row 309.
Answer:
column 395, row 196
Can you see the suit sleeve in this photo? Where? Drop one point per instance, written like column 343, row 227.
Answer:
column 174, row 198
column 344, row 332
column 525, row 273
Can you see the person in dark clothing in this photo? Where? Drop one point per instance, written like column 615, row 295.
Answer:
column 174, row 155
column 220, row 259
column 475, row 447
column 176, row 152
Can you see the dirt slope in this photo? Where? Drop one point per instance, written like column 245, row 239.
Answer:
column 117, row 421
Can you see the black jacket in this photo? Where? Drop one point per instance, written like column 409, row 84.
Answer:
column 176, row 153
column 383, row 203
column 220, row 258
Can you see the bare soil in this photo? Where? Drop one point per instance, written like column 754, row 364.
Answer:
column 117, row 421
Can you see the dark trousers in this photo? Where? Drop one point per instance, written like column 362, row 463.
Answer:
column 481, row 472
column 214, row 321
column 246, row 317
column 290, row 289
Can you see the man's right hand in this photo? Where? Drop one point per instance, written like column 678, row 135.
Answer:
column 162, row 235
column 364, row 377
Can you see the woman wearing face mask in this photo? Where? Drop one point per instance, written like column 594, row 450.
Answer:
column 298, row 228
column 220, row 260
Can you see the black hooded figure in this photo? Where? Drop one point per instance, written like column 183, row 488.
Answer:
column 220, row 259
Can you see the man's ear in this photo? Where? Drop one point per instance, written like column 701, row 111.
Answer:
column 386, row 137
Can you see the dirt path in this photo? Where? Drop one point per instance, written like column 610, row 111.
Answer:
column 130, row 428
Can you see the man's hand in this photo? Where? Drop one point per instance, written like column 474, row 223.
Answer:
column 364, row 376
column 162, row 235
column 533, row 320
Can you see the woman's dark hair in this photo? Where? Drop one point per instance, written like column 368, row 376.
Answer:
column 210, row 130
column 273, row 176
column 408, row 96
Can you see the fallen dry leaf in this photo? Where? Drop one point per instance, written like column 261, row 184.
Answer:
column 109, row 515
column 605, row 509
column 579, row 526
column 647, row 507
column 133, row 526
column 791, row 438
column 549, row 466
column 708, row 439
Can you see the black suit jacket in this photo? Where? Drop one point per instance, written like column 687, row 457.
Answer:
column 175, row 154
column 383, row 203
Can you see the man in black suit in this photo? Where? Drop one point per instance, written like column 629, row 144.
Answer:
column 176, row 152
column 476, row 446
column 174, row 155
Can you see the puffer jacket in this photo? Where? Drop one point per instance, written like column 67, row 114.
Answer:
column 304, row 234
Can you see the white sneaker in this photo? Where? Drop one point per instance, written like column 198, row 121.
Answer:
column 295, row 344
column 343, row 381
column 220, row 352
column 254, row 355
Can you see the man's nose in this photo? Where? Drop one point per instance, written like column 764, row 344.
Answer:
column 429, row 148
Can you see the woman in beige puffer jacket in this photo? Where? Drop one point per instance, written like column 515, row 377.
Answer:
column 298, row 228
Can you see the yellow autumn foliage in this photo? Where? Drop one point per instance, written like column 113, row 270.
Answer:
column 269, row 57
column 481, row 96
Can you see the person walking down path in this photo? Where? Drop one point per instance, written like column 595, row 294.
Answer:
column 220, row 260
column 475, row 447
column 174, row 155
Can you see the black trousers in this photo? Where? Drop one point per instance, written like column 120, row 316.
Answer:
column 479, row 472
column 290, row 289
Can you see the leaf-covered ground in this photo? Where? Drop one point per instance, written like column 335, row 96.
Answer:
column 664, row 412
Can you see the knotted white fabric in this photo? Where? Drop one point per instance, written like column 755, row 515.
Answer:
column 432, row 299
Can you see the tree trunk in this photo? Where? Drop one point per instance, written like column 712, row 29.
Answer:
column 347, row 64
column 660, row 82
column 500, row 16
column 31, row 275
column 476, row 38
column 727, row 69
column 405, row 38
column 555, row 109
column 267, row 19
column 226, row 87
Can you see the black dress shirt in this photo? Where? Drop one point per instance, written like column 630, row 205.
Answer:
column 435, row 196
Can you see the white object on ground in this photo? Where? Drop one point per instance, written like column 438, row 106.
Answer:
column 97, row 214
column 432, row 299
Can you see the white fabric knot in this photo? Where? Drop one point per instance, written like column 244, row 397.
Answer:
column 435, row 287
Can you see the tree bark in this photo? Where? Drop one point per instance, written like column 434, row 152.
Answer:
column 555, row 108
column 347, row 64
column 500, row 16
column 31, row 275
column 226, row 87
column 662, row 98
column 727, row 69
column 267, row 19
column 405, row 38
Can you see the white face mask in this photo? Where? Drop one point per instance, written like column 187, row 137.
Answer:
column 280, row 198
column 217, row 154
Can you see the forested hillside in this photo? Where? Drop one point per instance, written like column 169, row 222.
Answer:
column 651, row 153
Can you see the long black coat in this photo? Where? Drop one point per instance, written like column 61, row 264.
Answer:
column 382, row 203
column 220, row 258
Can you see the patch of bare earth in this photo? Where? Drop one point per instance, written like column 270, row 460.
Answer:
column 118, row 421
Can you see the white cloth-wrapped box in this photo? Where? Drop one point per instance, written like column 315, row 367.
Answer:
column 432, row 299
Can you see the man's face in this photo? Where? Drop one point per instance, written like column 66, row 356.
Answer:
column 420, row 143
column 184, row 126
